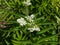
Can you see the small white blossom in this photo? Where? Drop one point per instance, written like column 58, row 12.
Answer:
column 35, row 28
column 21, row 21
column 27, row 2
column 30, row 18
column 30, row 29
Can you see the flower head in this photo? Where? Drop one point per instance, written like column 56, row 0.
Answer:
column 35, row 28
column 27, row 2
column 21, row 21
column 30, row 18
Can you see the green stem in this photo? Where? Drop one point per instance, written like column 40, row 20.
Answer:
column 27, row 11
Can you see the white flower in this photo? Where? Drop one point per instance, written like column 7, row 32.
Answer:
column 27, row 2
column 30, row 18
column 35, row 28
column 30, row 29
column 21, row 21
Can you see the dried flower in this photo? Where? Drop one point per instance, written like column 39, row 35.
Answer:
column 21, row 21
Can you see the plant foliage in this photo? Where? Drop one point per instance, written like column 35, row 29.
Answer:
column 45, row 12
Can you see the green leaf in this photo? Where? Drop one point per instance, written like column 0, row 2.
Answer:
column 45, row 30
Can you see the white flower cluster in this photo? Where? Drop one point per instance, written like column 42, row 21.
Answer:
column 30, row 18
column 35, row 28
column 27, row 2
column 23, row 22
